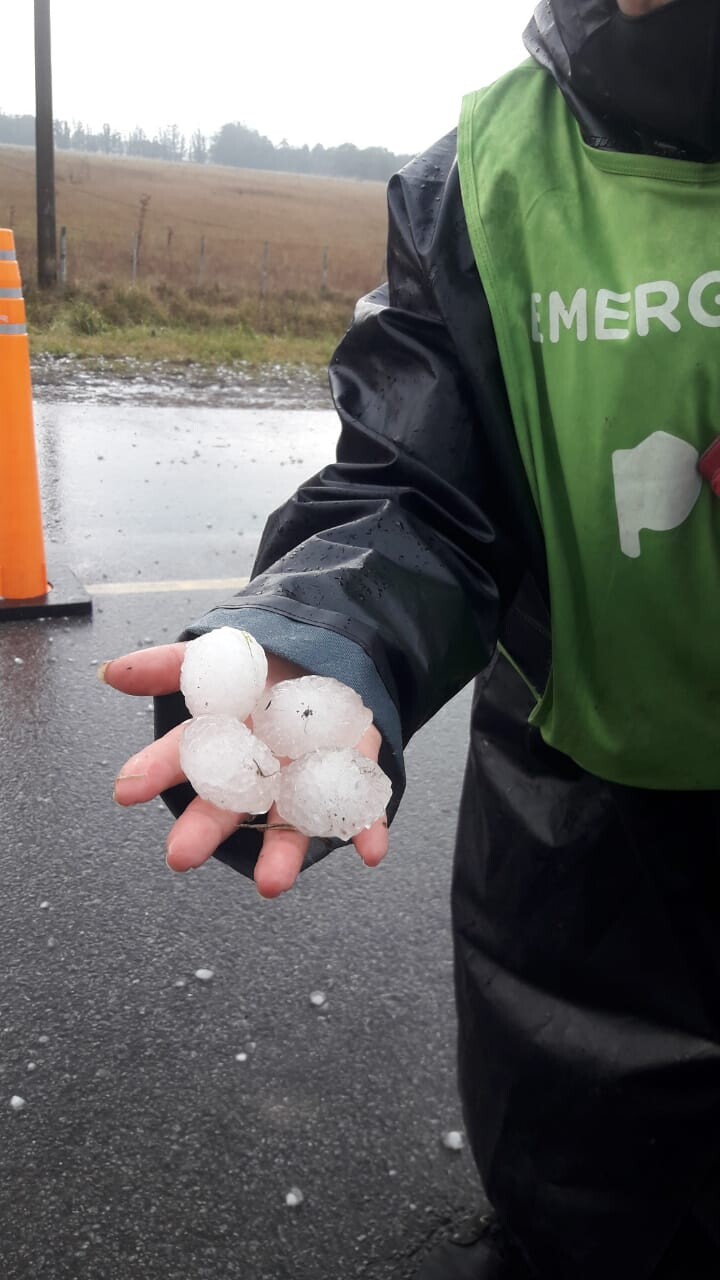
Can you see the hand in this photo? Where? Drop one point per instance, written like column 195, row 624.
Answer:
column 198, row 832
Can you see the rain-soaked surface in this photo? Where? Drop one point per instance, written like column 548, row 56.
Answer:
column 187, row 1055
column 133, row 491
column 131, row 382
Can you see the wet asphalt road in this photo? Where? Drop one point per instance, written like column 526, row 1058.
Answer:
column 146, row 1147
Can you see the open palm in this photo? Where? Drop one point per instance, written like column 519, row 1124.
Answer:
column 203, row 827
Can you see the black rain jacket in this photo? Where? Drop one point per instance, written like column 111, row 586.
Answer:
column 586, row 915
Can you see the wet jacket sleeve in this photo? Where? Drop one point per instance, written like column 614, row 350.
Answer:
column 390, row 569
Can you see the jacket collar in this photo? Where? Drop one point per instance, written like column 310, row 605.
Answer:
column 559, row 24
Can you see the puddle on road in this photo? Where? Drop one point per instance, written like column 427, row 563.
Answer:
column 134, row 382
column 169, row 490
column 169, row 471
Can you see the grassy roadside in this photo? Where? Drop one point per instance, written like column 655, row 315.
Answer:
column 209, row 327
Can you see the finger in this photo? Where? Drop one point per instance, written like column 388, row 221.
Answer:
column 146, row 671
column 198, row 832
column 372, row 845
column 151, row 771
column 280, row 860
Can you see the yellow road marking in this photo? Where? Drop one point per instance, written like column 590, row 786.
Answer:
column 176, row 584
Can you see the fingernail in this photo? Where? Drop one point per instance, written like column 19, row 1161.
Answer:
column 168, row 855
column 100, row 671
column 126, row 777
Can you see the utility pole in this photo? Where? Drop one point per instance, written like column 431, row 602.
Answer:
column 44, row 150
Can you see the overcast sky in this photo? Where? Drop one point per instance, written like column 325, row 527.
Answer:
column 375, row 72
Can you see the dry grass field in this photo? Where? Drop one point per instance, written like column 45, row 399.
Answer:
column 231, row 264
column 262, row 232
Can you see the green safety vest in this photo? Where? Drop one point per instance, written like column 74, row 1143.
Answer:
column 602, row 273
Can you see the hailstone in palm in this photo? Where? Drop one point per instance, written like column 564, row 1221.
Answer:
column 223, row 673
column 333, row 793
column 309, row 714
column 228, row 765
column 327, row 790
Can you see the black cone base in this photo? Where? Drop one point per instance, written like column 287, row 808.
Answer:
column 66, row 595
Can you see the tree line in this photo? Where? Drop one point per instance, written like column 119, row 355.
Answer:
column 233, row 144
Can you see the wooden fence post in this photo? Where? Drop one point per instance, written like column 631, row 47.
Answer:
column 264, row 273
column 134, row 259
column 62, row 263
column 324, row 276
column 201, row 262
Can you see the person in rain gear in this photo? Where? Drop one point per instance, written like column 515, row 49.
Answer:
column 518, row 496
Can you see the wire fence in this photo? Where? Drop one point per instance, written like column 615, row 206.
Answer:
column 238, row 266
column 246, row 233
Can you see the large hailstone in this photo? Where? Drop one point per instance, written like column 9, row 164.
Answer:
column 228, row 765
column 333, row 793
column 310, row 713
column 223, row 673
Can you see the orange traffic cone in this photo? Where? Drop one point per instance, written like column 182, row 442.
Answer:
column 22, row 552
column 24, row 587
